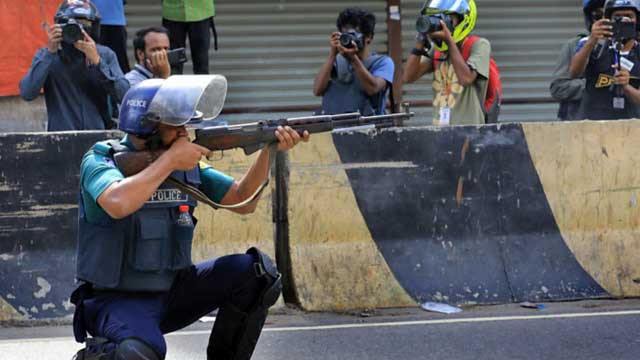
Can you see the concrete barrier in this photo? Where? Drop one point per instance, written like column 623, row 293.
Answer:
column 39, row 174
column 488, row 214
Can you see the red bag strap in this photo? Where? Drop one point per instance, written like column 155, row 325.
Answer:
column 467, row 44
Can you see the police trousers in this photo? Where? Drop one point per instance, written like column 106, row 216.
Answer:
column 196, row 291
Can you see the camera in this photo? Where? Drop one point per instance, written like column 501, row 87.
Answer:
column 623, row 29
column 427, row 24
column 71, row 31
column 349, row 38
column 176, row 56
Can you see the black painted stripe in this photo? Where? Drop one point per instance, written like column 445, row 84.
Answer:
column 472, row 228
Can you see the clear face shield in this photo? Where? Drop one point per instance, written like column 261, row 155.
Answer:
column 185, row 98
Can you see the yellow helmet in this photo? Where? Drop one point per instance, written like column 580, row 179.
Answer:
column 465, row 8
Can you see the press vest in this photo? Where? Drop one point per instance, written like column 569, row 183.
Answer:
column 344, row 93
column 143, row 251
column 597, row 102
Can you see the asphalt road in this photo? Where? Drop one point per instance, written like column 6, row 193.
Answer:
column 577, row 330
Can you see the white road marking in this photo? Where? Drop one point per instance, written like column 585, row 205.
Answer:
column 365, row 325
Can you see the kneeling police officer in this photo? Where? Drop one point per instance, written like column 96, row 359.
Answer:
column 134, row 247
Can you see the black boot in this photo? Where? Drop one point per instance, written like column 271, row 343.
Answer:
column 235, row 334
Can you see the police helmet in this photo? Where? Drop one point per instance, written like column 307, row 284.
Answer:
column 80, row 10
column 588, row 6
column 465, row 8
column 174, row 101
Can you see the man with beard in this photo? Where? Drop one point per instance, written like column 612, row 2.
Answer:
column 150, row 48
column 82, row 80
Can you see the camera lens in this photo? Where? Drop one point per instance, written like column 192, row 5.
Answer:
column 428, row 24
column 346, row 40
column 71, row 33
column 422, row 24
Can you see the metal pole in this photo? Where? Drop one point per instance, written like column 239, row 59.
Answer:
column 394, row 38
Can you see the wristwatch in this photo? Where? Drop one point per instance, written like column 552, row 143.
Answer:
column 419, row 52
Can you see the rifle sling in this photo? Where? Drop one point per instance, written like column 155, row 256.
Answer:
column 200, row 196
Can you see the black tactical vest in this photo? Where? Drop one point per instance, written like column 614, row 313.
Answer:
column 143, row 251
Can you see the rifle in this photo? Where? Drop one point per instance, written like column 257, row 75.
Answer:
column 251, row 137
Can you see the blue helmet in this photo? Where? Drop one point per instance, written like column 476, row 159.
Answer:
column 134, row 118
column 588, row 6
column 173, row 102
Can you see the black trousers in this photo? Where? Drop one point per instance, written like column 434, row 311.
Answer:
column 199, row 33
column 115, row 38
column 196, row 291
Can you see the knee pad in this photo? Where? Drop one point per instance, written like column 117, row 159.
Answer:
column 134, row 349
column 265, row 269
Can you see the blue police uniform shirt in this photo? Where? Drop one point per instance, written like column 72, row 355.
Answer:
column 111, row 12
column 98, row 172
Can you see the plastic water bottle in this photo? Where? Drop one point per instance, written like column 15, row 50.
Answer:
column 184, row 218
column 183, row 232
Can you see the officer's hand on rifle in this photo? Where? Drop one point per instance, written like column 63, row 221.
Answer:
column 184, row 154
column 288, row 137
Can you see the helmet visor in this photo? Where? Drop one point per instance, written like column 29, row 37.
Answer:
column 445, row 6
column 183, row 97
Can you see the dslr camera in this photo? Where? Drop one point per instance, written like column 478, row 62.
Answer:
column 427, row 24
column 623, row 29
column 348, row 39
column 71, row 31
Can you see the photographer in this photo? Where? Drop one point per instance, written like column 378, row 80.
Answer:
column 150, row 48
column 459, row 85
column 608, row 59
column 563, row 88
column 82, row 81
column 354, row 78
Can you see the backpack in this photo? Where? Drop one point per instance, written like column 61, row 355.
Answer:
column 493, row 99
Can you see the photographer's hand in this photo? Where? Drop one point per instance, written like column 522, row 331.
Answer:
column 443, row 35
column 621, row 76
column 600, row 30
column 54, row 35
column 159, row 64
column 88, row 47
column 350, row 53
column 334, row 43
